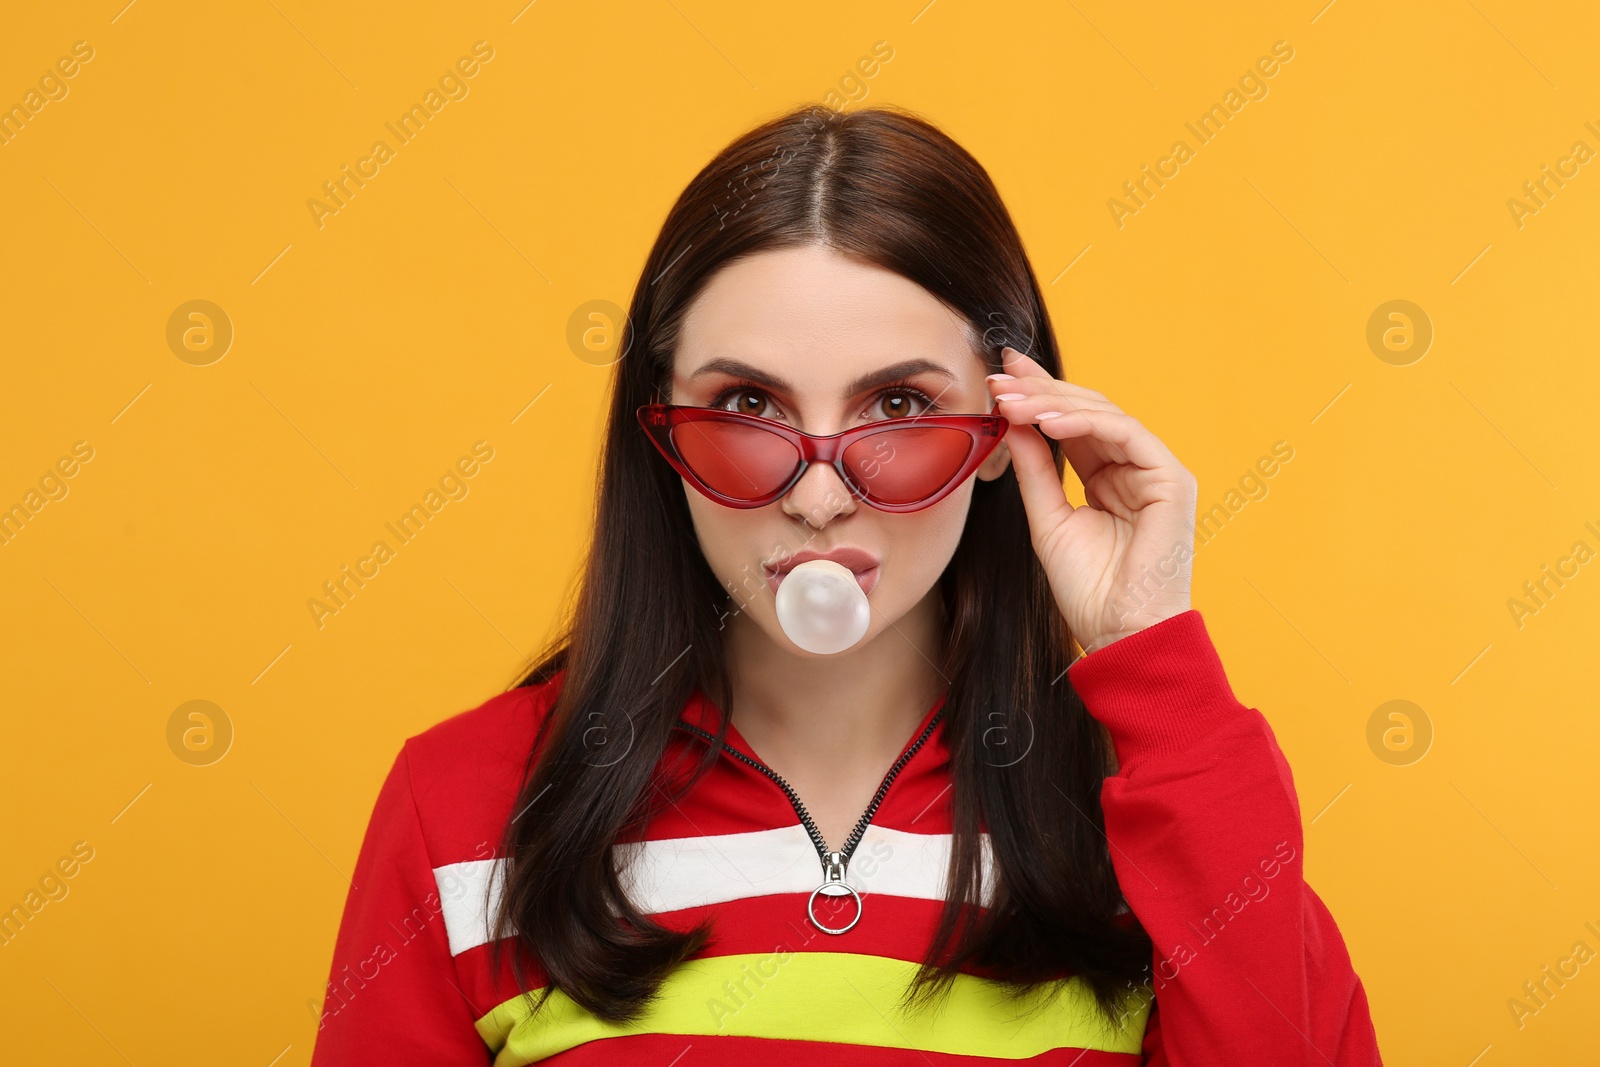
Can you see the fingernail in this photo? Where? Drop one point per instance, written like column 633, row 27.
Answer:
column 1047, row 415
column 999, row 377
column 1012, row 396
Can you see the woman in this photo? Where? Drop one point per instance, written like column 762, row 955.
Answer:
column 684, row 838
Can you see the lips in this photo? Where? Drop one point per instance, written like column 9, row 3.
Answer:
column 861, row 563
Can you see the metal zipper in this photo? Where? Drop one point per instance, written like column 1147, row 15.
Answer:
column 833, row 863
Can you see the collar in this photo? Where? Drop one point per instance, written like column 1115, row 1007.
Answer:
column 700, row 711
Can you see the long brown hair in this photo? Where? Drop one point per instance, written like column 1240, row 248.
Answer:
column 885, row 186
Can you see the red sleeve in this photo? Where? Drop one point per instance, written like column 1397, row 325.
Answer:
column 392, row 995
column 1204, row 827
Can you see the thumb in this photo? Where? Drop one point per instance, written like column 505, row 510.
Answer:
column 1042, row 493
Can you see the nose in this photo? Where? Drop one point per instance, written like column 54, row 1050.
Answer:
column 819, row 496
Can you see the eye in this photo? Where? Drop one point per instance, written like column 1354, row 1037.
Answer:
column 898, row 401
column 747, row 400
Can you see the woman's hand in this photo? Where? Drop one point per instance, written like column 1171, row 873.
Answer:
column 1125, row 560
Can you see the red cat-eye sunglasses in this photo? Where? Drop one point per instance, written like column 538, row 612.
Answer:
column 745, row 461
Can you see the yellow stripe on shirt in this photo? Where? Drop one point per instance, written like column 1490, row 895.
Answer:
column 844, row 997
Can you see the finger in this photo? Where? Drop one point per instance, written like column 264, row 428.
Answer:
column 1103, row 461
column 1092, row 438
column 1014, row 362
column 1084, row 450
column 1024, row 367
column 1022, row 407
column 1043, row 496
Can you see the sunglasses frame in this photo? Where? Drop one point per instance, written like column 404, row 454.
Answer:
column 659, row 420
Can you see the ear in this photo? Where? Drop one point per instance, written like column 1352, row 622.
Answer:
column 995, row 463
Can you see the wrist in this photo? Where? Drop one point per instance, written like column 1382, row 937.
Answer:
column 1131, row 627
column 1158, row 692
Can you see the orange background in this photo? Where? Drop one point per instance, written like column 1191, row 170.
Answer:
column 435, row 309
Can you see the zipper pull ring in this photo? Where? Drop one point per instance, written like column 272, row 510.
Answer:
column 833, row 885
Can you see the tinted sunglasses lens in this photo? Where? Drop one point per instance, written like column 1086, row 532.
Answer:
column 739, row 461
column 905, row 465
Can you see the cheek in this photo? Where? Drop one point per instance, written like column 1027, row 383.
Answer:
column 921, row 543
column 735, row 541
column 714, row 532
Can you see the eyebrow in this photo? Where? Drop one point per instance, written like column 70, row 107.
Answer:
column 881, row 376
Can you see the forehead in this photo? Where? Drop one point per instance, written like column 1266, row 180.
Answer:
column 815, row 314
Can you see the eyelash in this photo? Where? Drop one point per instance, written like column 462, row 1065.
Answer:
column 902, row 386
